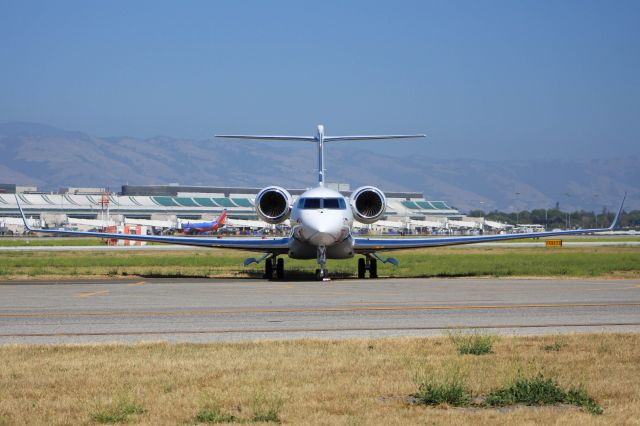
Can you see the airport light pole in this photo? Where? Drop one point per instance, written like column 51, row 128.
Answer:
column 546, row 218
column 568, row 219
column 517, row 208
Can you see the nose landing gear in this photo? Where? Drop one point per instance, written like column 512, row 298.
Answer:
column 321, row 273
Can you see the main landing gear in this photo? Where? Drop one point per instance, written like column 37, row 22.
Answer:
column 274, row 264
column 365, row 264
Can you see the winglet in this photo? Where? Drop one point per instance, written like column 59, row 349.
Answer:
column 24, row 218
column 616, row 219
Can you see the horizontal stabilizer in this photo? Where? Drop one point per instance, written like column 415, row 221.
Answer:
column 369, row 137
column 324, row 138
column 270, row 137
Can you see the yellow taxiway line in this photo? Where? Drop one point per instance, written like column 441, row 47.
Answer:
column 305, row 310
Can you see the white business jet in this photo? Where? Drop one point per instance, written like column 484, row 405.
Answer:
column 321, row 221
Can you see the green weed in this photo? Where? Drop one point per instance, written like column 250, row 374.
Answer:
column 554, row 347
column 449, row 389
column 474, row 343
column 120, row 412
column 213, row 414
column 540, row 390
column 266, row 409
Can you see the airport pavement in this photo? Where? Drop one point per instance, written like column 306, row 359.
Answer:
column 240, row 310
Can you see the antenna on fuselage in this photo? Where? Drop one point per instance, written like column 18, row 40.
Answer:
column 320, row 139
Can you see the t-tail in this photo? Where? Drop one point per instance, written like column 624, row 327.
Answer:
column 320, row 138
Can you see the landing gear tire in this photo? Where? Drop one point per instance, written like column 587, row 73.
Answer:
column 280, row 268
column 268, row 269
column 321, row 274
column 362, row 267
column 373, row 269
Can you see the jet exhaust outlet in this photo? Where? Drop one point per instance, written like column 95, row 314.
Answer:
column 368, row 204
column 273, row 204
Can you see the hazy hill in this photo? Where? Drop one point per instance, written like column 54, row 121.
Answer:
column 51, row 158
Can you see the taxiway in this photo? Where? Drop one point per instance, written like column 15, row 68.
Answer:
column 239, row 310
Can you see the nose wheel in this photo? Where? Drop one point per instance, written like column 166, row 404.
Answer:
column 321, row 274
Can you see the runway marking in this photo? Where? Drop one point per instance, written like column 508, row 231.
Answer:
column 307, row 330
column 306, row 310
column 86, row 294
column 136, row 284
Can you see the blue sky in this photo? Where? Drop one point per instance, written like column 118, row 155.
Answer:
column 488, row 80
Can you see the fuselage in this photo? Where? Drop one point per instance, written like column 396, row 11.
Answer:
column 202, row 227
column 199, row 228
column 321, row 217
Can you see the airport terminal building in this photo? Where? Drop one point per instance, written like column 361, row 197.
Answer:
column 167, row 202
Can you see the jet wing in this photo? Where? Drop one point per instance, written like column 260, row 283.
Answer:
column 371, row 245
column 270, row 245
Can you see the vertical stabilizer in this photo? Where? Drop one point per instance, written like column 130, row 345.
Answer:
column 321, row 169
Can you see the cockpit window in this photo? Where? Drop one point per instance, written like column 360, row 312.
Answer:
column 322, row 203
column 333, row 203
column 311, row 203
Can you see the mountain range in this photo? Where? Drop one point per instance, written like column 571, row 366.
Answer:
column 51, row 158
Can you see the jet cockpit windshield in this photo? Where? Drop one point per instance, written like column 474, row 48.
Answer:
column 322, row 203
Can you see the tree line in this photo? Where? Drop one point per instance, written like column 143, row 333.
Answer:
column 556, row 218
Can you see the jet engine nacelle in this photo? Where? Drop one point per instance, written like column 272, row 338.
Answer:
column 273, row 204
column 368, row 204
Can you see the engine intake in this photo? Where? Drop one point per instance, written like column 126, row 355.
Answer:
column 273, row 204
column 368, row 204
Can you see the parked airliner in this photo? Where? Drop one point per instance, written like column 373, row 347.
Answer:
column 194, row 228
column 321, row 220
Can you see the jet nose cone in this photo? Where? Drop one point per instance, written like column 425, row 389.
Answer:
column 324, row 238
column 322, row 234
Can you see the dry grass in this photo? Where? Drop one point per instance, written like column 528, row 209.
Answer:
column 310, row 382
